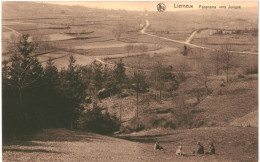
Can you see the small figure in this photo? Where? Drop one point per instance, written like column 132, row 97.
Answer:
column 157, row 146
column 211, row 148
column 200, row 149
column 179, row 151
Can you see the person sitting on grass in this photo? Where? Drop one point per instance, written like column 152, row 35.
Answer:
column 200, row 149
column 157, row 146
column 179, row 151
column 211, row 148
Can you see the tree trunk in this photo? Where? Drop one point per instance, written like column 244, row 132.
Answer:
column 95, row 98
column 20, row 100
column 120, row 107
column 71, row 124
column 207, row 90
column 227, row 74
column 137, row 95
column 217, row 69
column 206, row 86
column 160, row 96
column 156, row 89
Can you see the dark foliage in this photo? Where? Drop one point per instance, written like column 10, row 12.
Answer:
column 35, row 97
column 96, row 121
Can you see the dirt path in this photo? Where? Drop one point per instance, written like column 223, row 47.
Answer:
column 191, row 37
column 14, row 31
column 66, row 145
column 187, row 42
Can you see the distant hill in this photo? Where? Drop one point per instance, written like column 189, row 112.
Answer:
column 32, row 10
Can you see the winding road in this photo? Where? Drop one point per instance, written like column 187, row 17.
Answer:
column 187, row 42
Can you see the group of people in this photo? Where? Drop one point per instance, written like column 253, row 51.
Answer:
column 200, row 149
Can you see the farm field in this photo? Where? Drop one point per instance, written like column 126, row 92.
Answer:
column 66, row 32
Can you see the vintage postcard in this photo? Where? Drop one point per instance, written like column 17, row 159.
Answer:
column 134, row 81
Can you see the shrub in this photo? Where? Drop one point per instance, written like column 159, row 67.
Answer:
column 96, row 121
column 240, row 76
column 147, row 122
column 164, row 123
column 136, row 124
column 252, row 70
column 182, row 116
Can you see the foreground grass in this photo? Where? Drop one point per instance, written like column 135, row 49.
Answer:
column 232, row 144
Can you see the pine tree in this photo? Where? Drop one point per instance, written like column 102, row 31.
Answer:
column 73, row 90
column 120, row 79
column 97, row 80
column 52, row 99
column 139, row 85
column 25, row 77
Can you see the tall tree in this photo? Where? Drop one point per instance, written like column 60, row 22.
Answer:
column 227, row 60
column 129, row 47
column 120, row 79
column 97, row 80
column 25, row 77
column 163, row 75
column 73, row 90
column 205, row 70
column 139, row 85
column 118, row 30
column 53, row 109
column 215, row 59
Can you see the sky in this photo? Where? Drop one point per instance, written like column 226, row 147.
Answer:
column 151, row 6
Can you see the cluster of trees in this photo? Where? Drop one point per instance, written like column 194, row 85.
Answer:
column 36, row 97
column 253, row 32
column 223, row 59
column 219, row 60
column 124, row 27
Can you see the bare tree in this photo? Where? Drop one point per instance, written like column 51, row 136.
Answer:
column 139, row 85
column 129, row 47
column 181, row 67
column 204, row 72
column 215, row 59
column 118, row 30
column 227, row 60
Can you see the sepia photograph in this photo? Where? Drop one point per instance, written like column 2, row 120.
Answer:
column 129, row 81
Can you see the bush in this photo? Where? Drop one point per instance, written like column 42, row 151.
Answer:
column 96, row 121
column 147, row 122
column 252, row 70
column 182, row 116
column 240, row 76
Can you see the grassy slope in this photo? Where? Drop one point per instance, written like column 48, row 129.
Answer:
column 65, row 145
column 250, row 119
column 224, row 105
column 228, row 103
